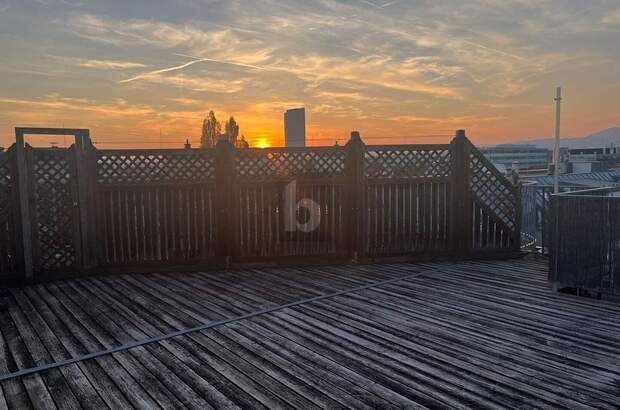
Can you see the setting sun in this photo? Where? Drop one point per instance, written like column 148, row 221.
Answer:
column 262, row 143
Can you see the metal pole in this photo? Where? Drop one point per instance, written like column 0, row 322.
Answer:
column 556, row 151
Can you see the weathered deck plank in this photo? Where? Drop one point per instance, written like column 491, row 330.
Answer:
column 474, row 334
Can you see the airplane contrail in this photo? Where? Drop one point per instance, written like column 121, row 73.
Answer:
column 494, row 50
column 163, row 70
column 380, row 6
column 255, row 67
column 185, row 65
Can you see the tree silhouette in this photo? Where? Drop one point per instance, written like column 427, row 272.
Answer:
column 232, row 131
column 211, row 130
column 242, row 143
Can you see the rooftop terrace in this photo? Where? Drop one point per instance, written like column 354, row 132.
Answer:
column 480, row 334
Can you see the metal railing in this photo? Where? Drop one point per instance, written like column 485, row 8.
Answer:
column 584, row 245
column 535, row 200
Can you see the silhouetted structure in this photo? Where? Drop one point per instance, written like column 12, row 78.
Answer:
column 295, row 127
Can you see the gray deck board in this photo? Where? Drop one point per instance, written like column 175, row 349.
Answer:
column 471, row 334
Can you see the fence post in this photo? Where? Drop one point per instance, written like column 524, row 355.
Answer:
column 461, row 221
column 225, row 231
column 24, row 223
column 86, row 169
column 354, row 189
column 518, row 216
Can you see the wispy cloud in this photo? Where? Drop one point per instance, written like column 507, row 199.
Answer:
column 109, row 65
column 612, row 18
column 197, row 83
column 98, row 64
column 60, row 103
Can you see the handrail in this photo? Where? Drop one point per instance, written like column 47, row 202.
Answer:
column 587, row 192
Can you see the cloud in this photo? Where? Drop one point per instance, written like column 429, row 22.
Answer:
column 197, row 83
column 109, row 64
column 99, row 64
column 374, row 71
column 612, row 18
column 274, row 107
column 220, row 43
column 56, row 102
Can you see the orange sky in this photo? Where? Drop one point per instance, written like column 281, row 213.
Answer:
column 146, row 74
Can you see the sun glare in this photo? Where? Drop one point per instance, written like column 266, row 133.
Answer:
column 262, row 143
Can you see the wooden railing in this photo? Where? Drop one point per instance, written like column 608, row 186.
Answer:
column 83, row 208
column 154, row 206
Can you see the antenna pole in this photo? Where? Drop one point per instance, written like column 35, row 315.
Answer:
column 556, row 150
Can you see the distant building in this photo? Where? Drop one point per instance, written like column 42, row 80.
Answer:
column 295, row 127
column 522, row 157
column 586, row 160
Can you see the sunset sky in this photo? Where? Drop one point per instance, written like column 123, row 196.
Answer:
column 145, row 72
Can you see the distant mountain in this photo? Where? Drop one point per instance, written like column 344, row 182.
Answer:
column 600, row 139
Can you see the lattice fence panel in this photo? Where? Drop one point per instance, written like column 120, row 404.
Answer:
column 7, row 254
column 53, row 209
column 389, row 163
column 493, row 191
column 274, row 163
column 155, row 167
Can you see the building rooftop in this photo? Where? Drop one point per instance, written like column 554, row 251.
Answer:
column 607, row 178
column 400, row 335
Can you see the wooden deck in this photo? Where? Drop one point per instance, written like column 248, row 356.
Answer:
column 468, row 334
